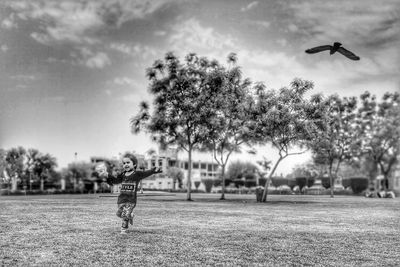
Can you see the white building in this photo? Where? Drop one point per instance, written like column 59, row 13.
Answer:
column 200, row 170
column 394, row 181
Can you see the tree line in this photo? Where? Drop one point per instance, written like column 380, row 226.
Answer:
column 201, row 104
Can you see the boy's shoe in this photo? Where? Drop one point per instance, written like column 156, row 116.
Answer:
column 124, row 231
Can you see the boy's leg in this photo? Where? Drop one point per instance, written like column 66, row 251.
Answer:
column 126, row 215
column 120, row 209
column 130, row 214
column 127, row 212
column 121, row 213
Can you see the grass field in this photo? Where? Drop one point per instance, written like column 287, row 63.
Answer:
column 82, row 230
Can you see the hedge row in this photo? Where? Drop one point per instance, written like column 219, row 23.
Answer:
column 301, row 182
column 357, row 184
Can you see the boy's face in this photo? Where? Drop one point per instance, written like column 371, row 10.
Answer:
column 127, row 164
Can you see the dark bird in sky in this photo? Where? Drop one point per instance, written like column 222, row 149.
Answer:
column 337, row 47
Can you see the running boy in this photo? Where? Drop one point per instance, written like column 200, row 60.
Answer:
column 129, row 180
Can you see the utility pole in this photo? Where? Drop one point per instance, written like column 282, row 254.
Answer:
column 74, row 173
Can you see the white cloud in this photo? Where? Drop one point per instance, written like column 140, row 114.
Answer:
column 40, row 38
column 123, row 48
column 98, row 61
column 293, row 28
column 275, row 69
column 9, row 22
column 282, row 42
column 160, row 33
column 77, row 21
column 358, row 22
column 260, row 23
column 249, row 6
column 93, row 60
column 190, row 36
column 4, row 47
column 21, row 77
column 62, row 21
column 124, row 81
column 134, row 50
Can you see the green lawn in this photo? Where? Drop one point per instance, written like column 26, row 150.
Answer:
column 82, row 230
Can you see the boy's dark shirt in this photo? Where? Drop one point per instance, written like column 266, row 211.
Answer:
column 129, row 184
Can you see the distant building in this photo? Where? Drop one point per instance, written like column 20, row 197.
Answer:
column 169, row 158
column 394, row 181
column 200, row 170
column 165, row 159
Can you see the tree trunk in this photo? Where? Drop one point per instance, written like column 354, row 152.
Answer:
column 30, row 181
column 14, row 179
column 41, row 184
column 189, row 177
column 331, row 180
column 223, row 182
column 264, row 196
column 63, row 184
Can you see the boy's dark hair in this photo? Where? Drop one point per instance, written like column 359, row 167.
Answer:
column 132, row 158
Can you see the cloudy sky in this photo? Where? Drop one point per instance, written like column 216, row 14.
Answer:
column 72, row 72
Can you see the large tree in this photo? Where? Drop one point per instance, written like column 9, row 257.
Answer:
column 3, row 163
column 231, row 110
column 181, row 104
column 332, row 144
column 15, row 165
column 32, row 158
column 283, row 119
column 79, row 171
column 177, row 176
column 237, row 169
column 379, row 128
column 43, row 165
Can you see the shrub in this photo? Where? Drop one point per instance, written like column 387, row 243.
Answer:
column 301, row 182
column 249, row 176
column 218, row 182
column 250, row 183
column 326, row 182
column 358, row 184
column 346, row 182
column 291, row 183
column 238, row 182
column 197, row 184
column 310, row 181
column 262, row 181
column 208, row 183
column 278, row 181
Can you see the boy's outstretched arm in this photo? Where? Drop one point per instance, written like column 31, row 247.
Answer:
column 150, row 172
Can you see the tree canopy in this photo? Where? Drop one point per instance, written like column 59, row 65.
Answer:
column 183, row 93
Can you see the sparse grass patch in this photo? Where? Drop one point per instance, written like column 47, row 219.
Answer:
column 82, row 230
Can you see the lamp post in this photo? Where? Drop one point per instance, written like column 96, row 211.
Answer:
column 74, row 173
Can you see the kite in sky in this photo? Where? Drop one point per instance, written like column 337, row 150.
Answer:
column 337, row 47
